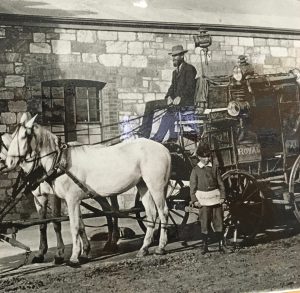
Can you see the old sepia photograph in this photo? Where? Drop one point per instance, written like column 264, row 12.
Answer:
column 149, row 146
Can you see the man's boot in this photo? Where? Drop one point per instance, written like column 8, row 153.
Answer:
column 221, row 242
column 205, row 244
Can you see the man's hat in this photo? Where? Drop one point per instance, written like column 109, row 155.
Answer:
column 176, row 50
column 243, row 58
column 203, row 150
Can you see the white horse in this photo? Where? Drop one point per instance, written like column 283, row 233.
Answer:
column 106, row 171
column 41, row 196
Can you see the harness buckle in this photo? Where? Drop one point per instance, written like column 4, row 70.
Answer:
column 64, row 146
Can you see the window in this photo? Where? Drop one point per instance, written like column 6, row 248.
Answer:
column 75, row 106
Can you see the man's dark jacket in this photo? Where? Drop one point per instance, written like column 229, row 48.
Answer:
column 183, row 84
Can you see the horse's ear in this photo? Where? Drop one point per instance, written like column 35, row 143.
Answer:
column 25, row 118
column 29, row 124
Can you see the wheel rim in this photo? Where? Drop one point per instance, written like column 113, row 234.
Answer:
column 177, row 200
column 294, row 188
column 244, row 205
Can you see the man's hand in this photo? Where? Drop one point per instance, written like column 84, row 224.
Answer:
column 169, row 101
column 176, row 101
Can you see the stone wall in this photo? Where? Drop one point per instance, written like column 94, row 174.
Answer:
column 134, row 64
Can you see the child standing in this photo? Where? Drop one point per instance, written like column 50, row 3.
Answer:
column 208, row 193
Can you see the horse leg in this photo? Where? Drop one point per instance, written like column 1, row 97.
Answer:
column 74, row 216
column 110, row 225
column 115, row 232
column 41, row 202
column 150, row 210
column 162, row 209
column 60, row 247
column 86, row 247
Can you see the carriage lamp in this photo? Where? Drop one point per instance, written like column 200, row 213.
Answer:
column 203, row 40
column 238, row 107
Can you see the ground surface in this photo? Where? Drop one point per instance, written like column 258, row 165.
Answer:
column 271, row 263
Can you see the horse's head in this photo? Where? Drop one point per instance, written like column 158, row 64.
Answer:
column 5, row 140
column 20, row 145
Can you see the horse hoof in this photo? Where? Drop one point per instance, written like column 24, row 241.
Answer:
column 142, row 253
column 38, row 259
column 73, row 264
column 159, row 251
column 110, row 247
column 84, row 259
column 58, row 260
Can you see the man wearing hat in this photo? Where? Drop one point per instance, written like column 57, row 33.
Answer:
column 246, row 68
column 180, row 93
column 208, row 193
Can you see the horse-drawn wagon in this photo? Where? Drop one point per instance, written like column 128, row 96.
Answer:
column 253, row 130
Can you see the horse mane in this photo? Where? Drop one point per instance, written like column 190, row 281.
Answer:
column 45, row 139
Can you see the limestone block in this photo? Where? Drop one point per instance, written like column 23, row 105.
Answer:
column 166, row 74
column 127, row 36
column 149, row 97
column 6, row 68
column 246, row 41
column 19, row 68
column 4, row 95
column 286, row 43
column 292, row 52
column 110, row 59
column 61, row 46
column 265, row 50
column 238, row 50
column 258, row 58
column 89, row 58
column 134, row 61
column 135, row 48
column 218, row 55
column 159, row 96
column 130, row 96
column 107, row 36
column 162, row 85
column 297, row 43
column 259, row 42
column 14, row 81
column 17, row 106
column 159, row 39
column 289, row 62
column 279, row 51
column 231, row 41
column 13, row 57
column 145, row 83
column 220, row 39
column 116, row 47
column 157, row 45
column 8, row 118
column 85, row 36
column 67, row 37
column 297, row 52
column 145, row 37
column 40, row 48
column 39, row 37
column 273, row 42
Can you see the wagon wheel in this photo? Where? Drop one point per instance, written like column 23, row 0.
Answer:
column 244, row 206
column 177, row 200
column 294, row 188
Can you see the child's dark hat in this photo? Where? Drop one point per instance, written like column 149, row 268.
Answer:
column 203, row 150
